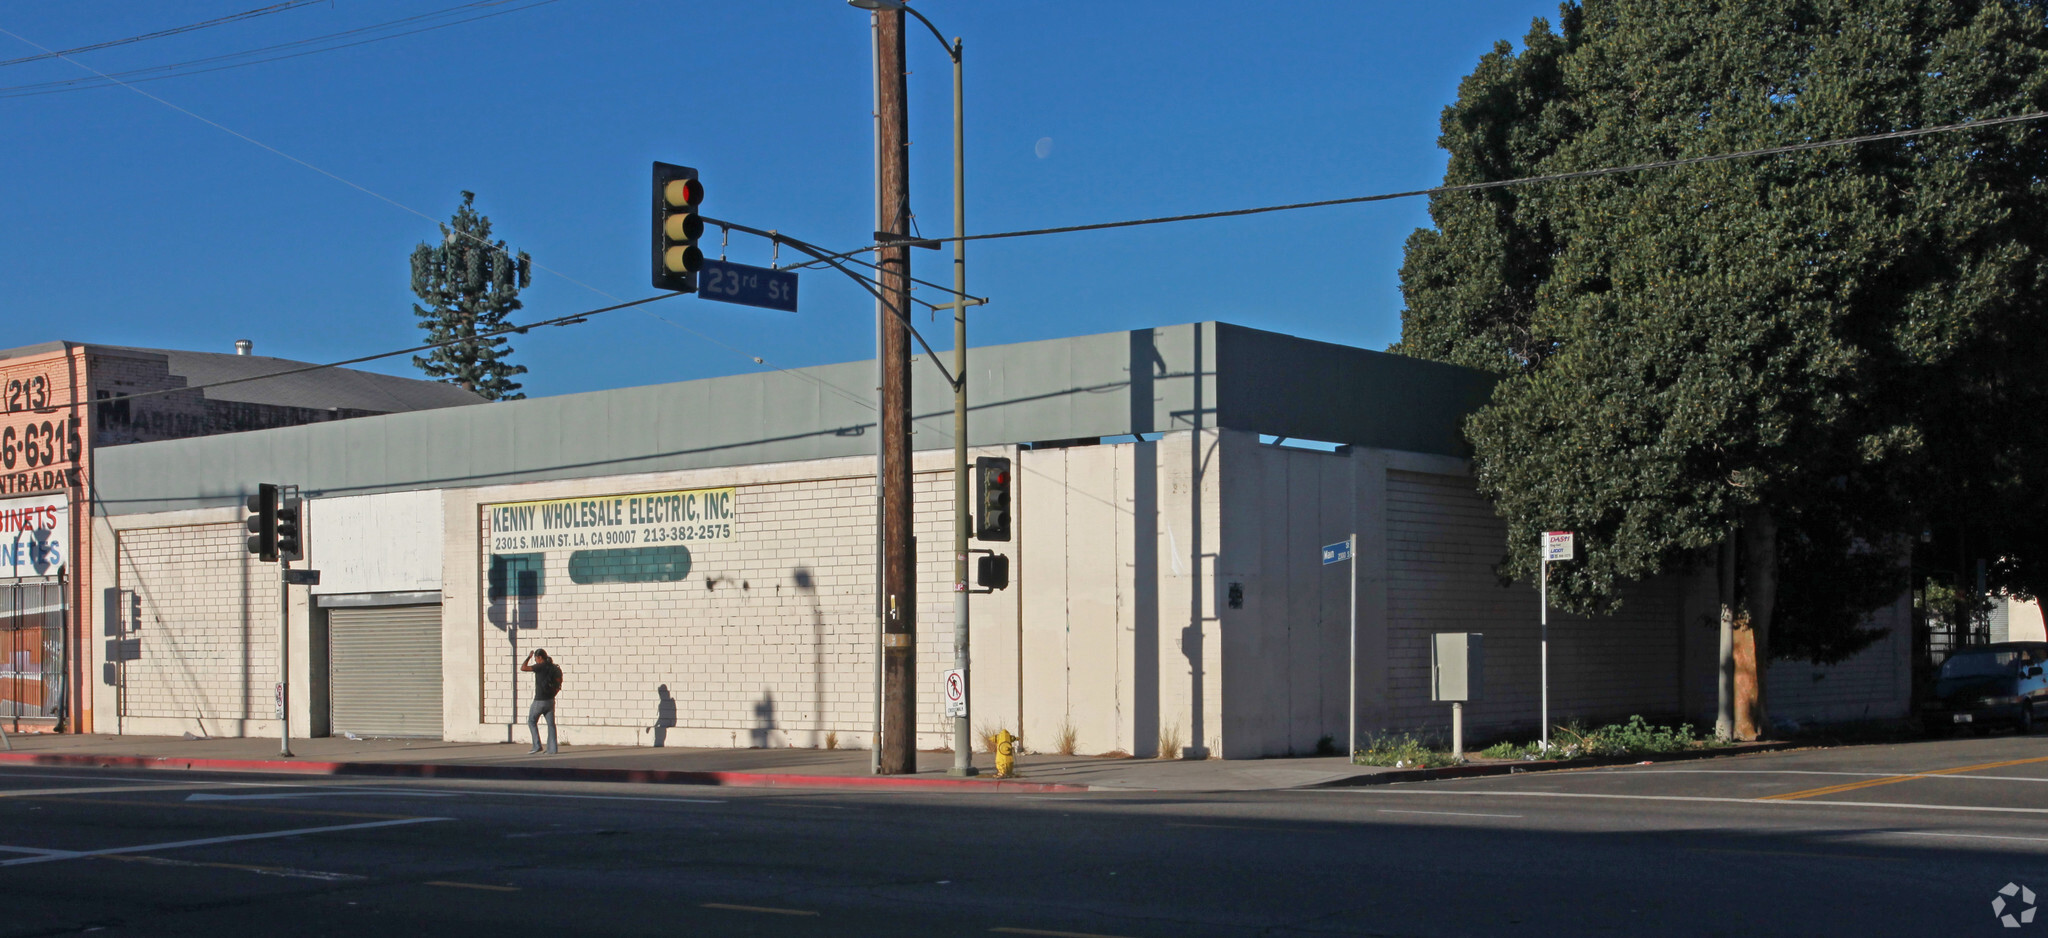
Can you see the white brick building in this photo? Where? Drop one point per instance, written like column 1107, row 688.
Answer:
column 1165, row 580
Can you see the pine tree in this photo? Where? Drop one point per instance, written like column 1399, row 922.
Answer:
column 471, row 285
column 1785, row 368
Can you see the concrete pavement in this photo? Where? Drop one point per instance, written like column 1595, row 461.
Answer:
column 731, row 767
column 1930, row 836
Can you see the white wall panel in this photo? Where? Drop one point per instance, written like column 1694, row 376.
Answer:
column 376, row 543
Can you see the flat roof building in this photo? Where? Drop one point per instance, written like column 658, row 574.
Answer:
column 699, row 557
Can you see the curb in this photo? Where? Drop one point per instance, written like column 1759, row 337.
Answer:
column 1398, row 776
column 538, row 773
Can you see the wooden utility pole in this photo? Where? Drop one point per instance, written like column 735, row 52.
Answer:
column 899, row 586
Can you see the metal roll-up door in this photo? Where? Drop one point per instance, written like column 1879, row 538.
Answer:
column 385, row 672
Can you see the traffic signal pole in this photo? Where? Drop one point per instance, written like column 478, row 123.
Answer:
column 899, row 587
column 963, row 519
column 284, row 657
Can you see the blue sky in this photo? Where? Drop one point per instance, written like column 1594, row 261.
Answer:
column 129, row 222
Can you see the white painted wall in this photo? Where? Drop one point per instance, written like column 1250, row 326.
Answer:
column 202, row 615
column 1118, row 624
column 388, row 543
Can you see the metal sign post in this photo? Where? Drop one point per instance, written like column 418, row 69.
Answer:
column 1342, row 552
column 1557, row 545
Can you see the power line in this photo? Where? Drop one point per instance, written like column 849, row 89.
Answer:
column 1477, row 186
column 159, row 34
column 756, row 359
column 569, row 320
column 226, row 60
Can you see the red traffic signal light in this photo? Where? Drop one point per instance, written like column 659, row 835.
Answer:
column 677, row 227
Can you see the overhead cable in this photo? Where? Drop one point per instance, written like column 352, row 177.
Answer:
column 215, row 63
column 159, row 34
column 1477, row 186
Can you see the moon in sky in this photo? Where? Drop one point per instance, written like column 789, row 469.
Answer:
column 1043, row 147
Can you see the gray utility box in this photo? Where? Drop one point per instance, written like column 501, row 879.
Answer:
column 1457, row 664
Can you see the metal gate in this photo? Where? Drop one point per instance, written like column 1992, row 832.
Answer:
column 32, row 638
column 384, row 670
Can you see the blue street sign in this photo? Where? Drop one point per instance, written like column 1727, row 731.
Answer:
column 1336, row 553
column 747, row 285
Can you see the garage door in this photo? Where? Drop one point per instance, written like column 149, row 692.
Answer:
column 386, row 670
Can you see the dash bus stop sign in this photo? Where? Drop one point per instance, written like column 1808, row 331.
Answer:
column 747, row 285
column 1336, row 553
column 1557, row 545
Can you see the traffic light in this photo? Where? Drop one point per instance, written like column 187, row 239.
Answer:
column 288, row 531
column 677, row 227
column 992, row 485
column 262, row 523
column 992, row 571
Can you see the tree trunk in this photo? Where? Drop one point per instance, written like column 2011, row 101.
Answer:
column 1753, row 632
column 1724, row 678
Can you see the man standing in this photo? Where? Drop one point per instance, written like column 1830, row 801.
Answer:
column 547, row 682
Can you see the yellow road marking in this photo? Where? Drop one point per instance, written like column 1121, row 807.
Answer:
column 484, row 886
column 1895, row 779
column 1052, row 934
column 204, row 806
column 757, row 908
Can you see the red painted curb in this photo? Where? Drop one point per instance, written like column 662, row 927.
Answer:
column 535, row 773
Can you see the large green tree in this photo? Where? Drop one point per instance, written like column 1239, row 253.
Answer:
column 470, row 285
column 1786, row 368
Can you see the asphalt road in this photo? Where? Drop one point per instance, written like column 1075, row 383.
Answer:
column 1911, row 839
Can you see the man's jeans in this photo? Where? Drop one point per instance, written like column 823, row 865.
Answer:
column 533, row 714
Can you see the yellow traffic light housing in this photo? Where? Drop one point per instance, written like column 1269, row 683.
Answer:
column 677, row 227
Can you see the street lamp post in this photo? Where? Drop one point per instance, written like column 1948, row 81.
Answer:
column 963, row 758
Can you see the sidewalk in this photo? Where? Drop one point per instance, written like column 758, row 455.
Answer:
column 812, row 768
column 751, row 768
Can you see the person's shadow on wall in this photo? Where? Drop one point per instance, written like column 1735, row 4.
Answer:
column 664, row 715
column 763, row 734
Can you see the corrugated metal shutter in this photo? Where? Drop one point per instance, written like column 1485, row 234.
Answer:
column 386, row 670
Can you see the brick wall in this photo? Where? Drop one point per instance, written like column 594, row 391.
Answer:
column 767, row 640
column 206, row 626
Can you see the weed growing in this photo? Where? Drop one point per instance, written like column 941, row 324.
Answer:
column 1401, row 751
column 1637, row 737
column 1169, row 741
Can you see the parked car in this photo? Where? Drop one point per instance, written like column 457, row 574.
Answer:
column 1989, row 685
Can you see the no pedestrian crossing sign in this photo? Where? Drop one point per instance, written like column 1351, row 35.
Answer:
column 1557, row 545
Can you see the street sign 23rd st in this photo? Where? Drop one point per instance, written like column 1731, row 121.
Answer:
column 747, row 285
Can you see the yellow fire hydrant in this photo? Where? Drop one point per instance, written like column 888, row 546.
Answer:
column 1006, row 754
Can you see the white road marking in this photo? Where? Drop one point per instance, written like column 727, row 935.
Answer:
column 284, row 871
column 1449, row 813
column 316, row 793
column 102, row 789
column 207, row 841
column 544, row 794
column 1697, row 798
